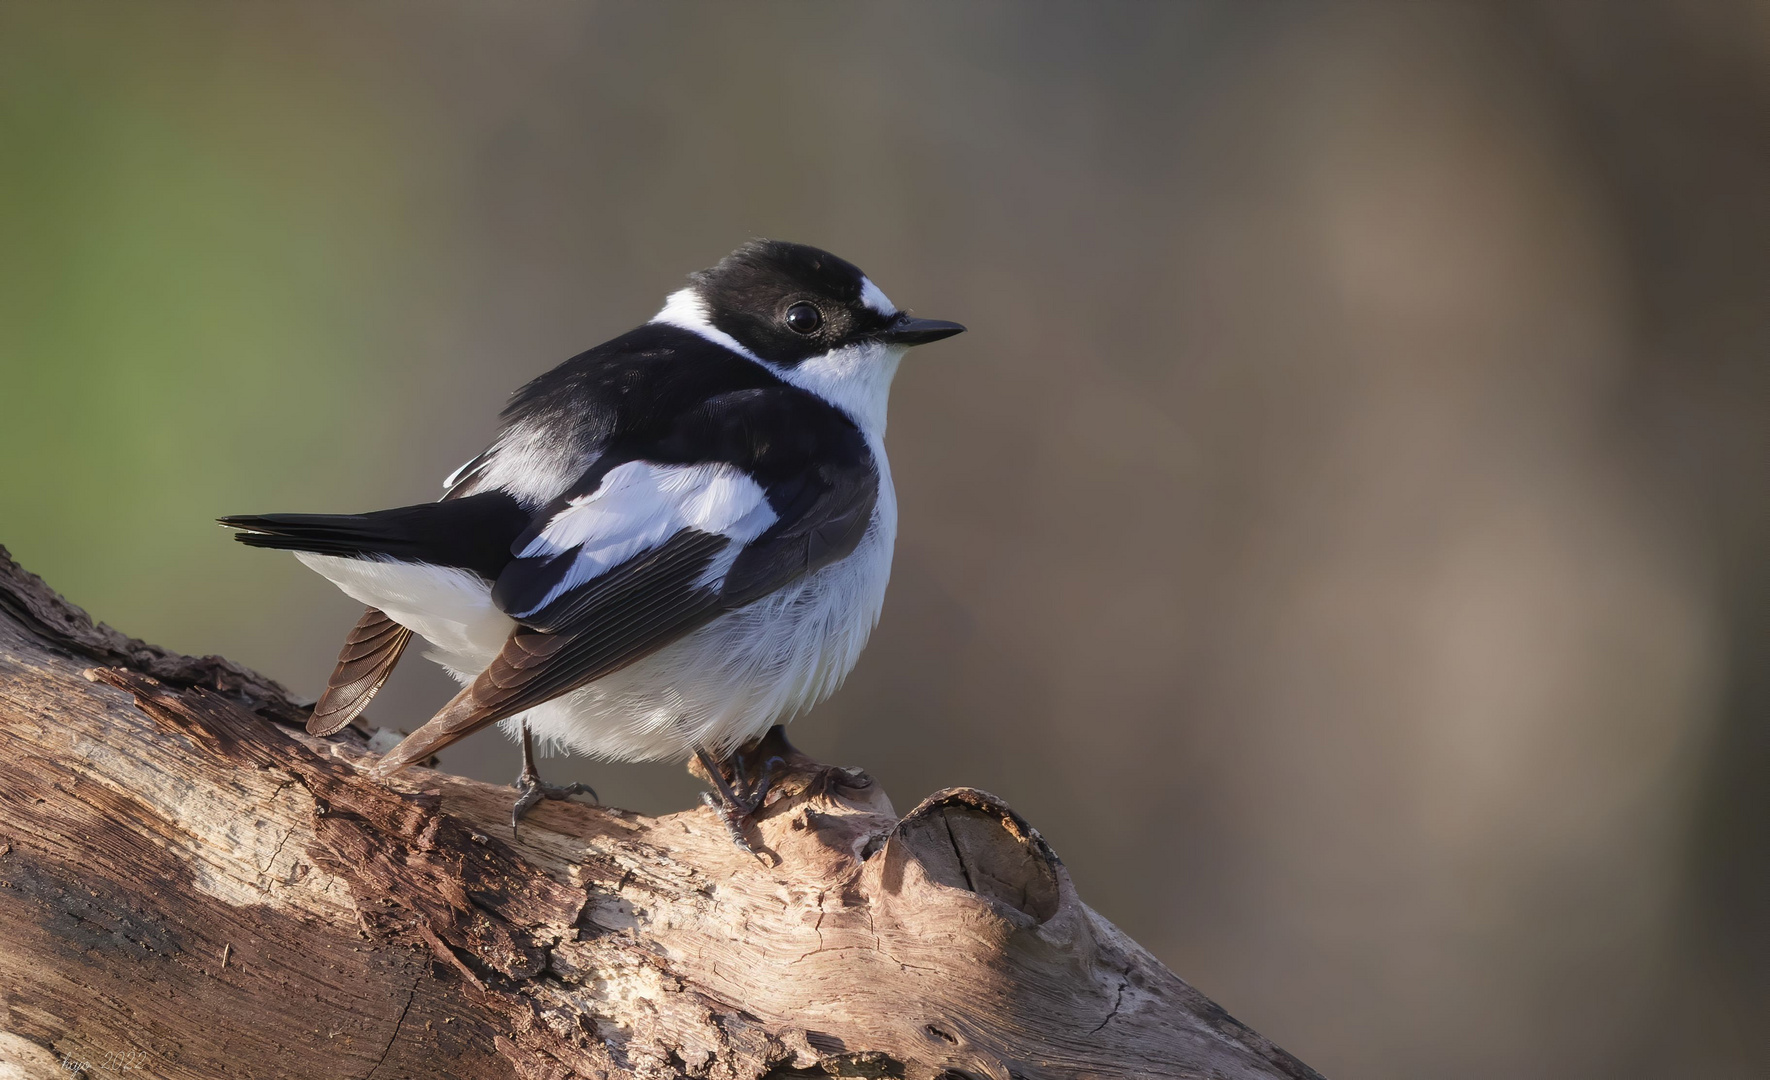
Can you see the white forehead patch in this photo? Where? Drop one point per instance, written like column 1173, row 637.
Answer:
column 875, row 299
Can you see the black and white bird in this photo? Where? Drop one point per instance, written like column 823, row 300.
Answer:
column 677, row 539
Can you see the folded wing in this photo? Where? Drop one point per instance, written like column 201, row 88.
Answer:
column 640, row 553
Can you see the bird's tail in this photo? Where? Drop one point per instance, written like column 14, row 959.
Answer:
column 321, row 534
column 474, row 533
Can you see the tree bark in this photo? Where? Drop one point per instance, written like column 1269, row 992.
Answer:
column 190, row 886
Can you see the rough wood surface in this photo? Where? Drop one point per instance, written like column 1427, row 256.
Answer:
column 190, row 886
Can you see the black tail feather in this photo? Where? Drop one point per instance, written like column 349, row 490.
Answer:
column 474, row 533
column 324, row 534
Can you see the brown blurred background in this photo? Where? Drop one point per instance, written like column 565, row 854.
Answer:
column 1343, row 531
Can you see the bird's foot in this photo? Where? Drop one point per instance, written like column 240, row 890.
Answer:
column 733, row 800
column 732, row 818
column 531, row 789
column 743, row 781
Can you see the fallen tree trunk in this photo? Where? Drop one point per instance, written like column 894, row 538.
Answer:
column 190, row 886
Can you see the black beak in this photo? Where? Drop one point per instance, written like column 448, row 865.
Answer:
column 905, row 330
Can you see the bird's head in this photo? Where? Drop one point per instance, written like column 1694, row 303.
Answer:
column 813, row 318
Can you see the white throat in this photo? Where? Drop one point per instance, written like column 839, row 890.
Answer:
column 855, row 379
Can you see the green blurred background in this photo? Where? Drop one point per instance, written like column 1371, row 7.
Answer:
column 1343, row 531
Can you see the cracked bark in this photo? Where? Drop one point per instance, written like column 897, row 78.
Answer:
column 192, row 886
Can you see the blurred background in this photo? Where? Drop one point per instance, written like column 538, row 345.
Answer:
column 1344, row 532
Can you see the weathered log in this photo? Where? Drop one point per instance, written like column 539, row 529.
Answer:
column 190, row 886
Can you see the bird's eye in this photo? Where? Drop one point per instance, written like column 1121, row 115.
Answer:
column 804, row 318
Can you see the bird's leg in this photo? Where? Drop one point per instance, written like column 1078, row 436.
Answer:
column 756, row 767
column 530, row 789
column 726, row 803
column 753, row 769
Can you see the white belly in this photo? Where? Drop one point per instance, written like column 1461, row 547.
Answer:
column 731, row 680
column 715, row 688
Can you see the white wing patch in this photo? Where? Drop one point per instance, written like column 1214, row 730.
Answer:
column 639, row 506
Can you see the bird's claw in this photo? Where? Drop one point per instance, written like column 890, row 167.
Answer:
column 753, row 773
column 731, row 817
column 530, row 790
